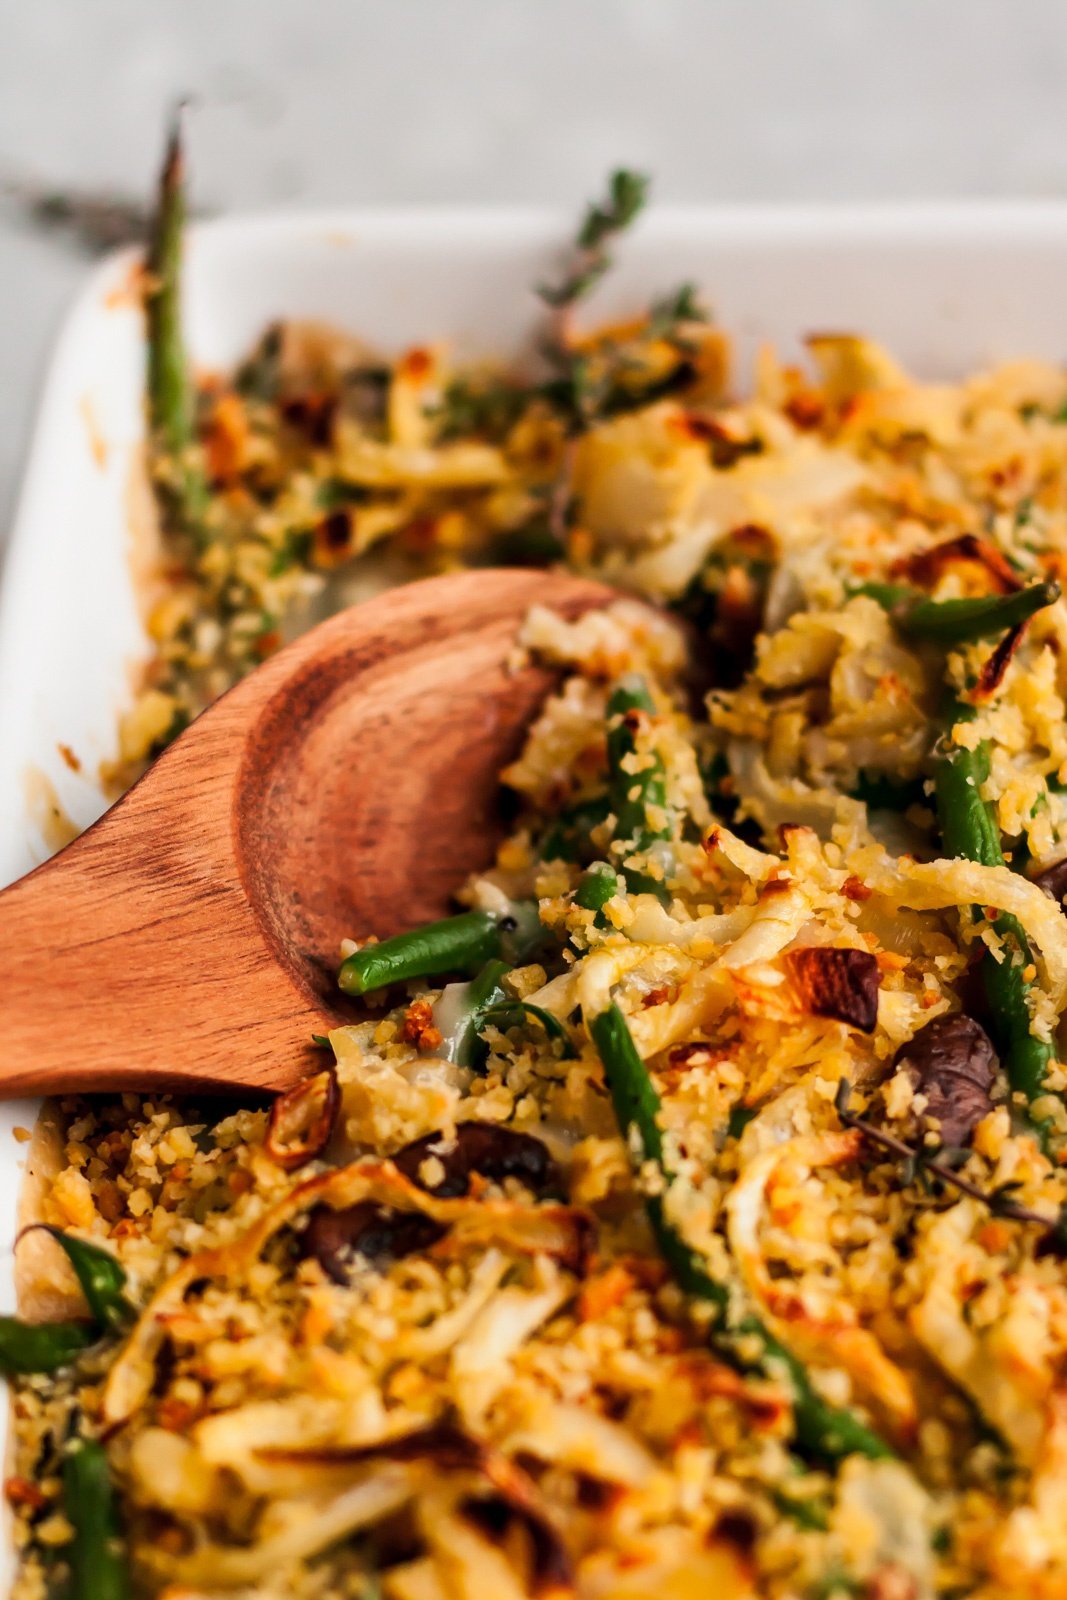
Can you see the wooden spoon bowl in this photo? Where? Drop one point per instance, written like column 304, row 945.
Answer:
column 191, row 937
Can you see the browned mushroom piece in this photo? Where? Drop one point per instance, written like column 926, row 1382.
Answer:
column 952, row 1063
column 478, row 1147
column 839, row 983
column 378, row 1234
column 302, row 1121
column 1054, row 882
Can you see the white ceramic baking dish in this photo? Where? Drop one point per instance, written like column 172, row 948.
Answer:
column 946, row 288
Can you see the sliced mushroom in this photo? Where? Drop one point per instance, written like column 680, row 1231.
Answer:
column 377, row 1233
column 952, row 1063
column 479, row 1147
column 838, row 983
column 302, row 1121
column 380, row 1234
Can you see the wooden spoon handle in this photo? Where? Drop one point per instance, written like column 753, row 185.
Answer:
column 132, row 959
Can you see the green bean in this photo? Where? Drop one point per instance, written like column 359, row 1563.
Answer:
column 46, row 1346
column 98, row 1568
column 822, row 1430
column 739, row 1119
column 632, row 793
column 568, row 837
column 512, row 1014
column 27, row 1347
column 483, row 993
column 969, row 831
column 534, row 544
column 455, row 944
column 595, row 888
column 182, row 483
column 890, row 596
column 101, row 1278
column 485, row 1003
column 882, row 793
column 949, row 622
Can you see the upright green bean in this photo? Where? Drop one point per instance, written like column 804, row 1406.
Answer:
column 568, row 837
column 463, row 1044
column 101, row 1278
column 171, row 404
column 595, row 888
column 98, row 1567
column 822, row 1430
column 638, row 799
column 969, row 830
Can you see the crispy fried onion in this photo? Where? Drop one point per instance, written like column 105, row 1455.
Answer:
column 670, row 1563
column 1006, row 1369
column 214, row 1568
column 773, row 923
column 837, row 982
column 966, row 549
column 302, row 1121
column 479, row 1365
column 831, row 1335
column 236, row 1441
column 483, row 1490
column 564, row 1233
column 752, row 863
column 1029, row 1549
column 488, row 1492
column 581, row 1439
column 935, row 885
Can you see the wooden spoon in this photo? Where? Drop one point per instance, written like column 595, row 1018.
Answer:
column 191, row 937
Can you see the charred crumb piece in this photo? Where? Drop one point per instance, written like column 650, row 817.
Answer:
column 997, row 663
column 739, row 1528
column 838, row 983
column 312, row 414
column 953, row 1064
column 926, row 566
column 480, row 1148
column 418, row 1026
column 495, row 1516
column 378, row 1234
column 1054, row 882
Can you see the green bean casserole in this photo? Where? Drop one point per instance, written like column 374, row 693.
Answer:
column 687, row 1216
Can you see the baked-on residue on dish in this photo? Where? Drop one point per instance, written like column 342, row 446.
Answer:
column 685, row 1218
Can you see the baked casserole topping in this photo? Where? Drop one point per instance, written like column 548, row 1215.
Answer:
column 687, row 1215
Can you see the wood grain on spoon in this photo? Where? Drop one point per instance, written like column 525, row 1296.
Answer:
column 348, row 787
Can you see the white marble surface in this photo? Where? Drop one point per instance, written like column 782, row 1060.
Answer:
column 491, row 100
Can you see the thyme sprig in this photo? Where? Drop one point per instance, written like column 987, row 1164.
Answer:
column 669, row 316
column 922, row 1163
column 627, row 193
